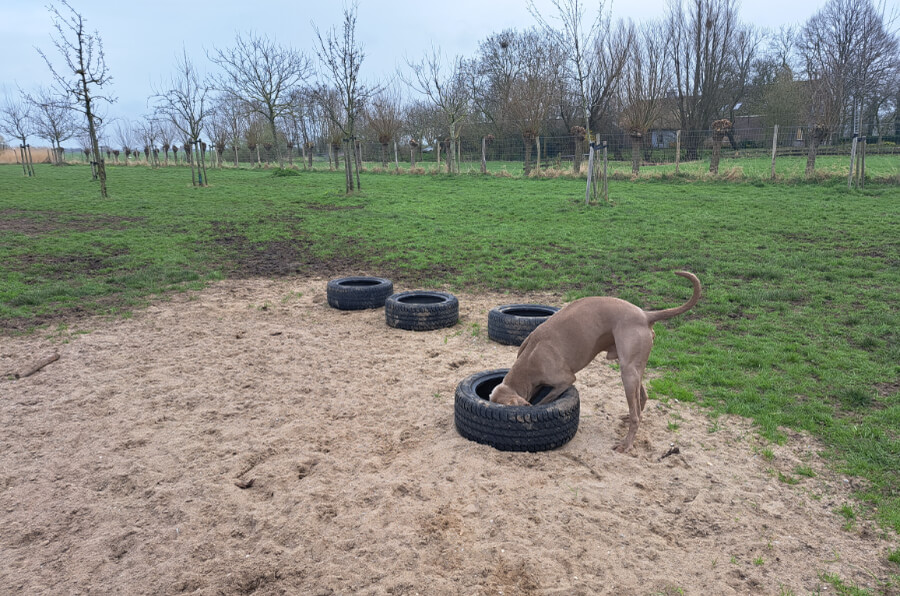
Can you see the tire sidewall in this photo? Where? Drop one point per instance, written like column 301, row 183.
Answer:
column 413, row 316
column 510, row 329
column 343, row 295
column 519, row 428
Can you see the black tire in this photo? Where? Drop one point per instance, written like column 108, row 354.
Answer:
column 421, row 310
column 510, row 324
column 513, row 428
column 358, row 293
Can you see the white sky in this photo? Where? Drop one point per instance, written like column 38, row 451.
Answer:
column 141, row 37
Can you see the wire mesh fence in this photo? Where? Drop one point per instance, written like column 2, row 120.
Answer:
column 756, row 150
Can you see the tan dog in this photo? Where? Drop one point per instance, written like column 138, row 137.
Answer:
column 571, row 339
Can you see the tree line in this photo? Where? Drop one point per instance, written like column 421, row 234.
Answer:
column 698, row 67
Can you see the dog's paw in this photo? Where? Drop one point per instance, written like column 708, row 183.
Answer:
column 622, row 448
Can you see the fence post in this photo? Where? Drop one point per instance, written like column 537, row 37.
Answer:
column 774, row 149
column 677, row 150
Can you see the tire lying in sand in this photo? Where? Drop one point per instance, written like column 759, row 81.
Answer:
column 513, row 428
column 358, row 293
column 421, row 310
column 510, row 324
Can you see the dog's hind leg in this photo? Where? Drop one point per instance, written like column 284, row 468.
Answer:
column 633, row 356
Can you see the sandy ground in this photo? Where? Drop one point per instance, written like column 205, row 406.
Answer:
column 250, row 439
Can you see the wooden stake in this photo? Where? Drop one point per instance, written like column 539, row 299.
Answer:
column 587, row 191
column 861, row 164
column 852, row 163
column 677, row 150
column 774, row 149
column 605, row 186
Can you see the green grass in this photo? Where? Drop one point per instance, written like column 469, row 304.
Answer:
column 798, row 327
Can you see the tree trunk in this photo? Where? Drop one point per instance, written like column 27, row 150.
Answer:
column 384, row 155
column 451, row 156
column 348, row 168
column 92, row 132
column 714, row 158
column 579, row 154
column 483, row 155
column 412, row 157
column 635, row 154
column 811, row 156
column 274, row 130
column 528, row 142
column 24, row 159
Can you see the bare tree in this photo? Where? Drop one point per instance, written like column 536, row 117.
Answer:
column 302, row 123
column 422, row 123
column 53, row 121
column 16, row 121
column 262, row 74
column 341, row 57
column 848, row 49
column 645, row 82
column 217, row 124
column 701, row 35
column 447, row 90
column 578, row 42
column 610, row 54
column 126, row 138
column 533, row 88
column 490, row 79
column 166, row 136
column 254, row 135
column 384, row 119
column 185, row 103
column 83, row 77
column 148, row 134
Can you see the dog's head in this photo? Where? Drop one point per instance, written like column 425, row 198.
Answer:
column 505, row 396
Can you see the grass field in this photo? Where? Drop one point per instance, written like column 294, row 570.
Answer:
column 798, row 327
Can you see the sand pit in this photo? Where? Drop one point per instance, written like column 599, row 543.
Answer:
column 250, row 439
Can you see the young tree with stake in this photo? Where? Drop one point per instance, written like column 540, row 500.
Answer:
column 83, row 76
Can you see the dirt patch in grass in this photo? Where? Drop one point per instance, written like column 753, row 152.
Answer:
column 250, row 439
column 36, row 223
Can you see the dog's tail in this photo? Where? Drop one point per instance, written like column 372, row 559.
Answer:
column 660, row 315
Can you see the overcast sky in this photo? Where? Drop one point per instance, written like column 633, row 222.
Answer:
column 142, row 37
